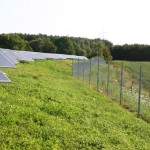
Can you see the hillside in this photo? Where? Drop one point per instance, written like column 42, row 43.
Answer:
column 46, row 108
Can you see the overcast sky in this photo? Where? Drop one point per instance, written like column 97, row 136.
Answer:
column 119, row 21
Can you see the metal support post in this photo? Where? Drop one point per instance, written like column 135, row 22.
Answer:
column 98, row 75
column 90, row 74
column 108, row 79
column 121, row 85
column 140, row 86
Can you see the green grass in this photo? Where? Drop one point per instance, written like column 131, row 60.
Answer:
column 101, row 83
column 133, row 67
column 132, row 70
column 46, row 108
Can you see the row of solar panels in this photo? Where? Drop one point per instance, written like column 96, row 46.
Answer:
column 9, row 59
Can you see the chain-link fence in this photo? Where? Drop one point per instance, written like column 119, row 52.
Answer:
column 131, row 90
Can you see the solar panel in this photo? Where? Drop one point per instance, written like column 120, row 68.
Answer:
column 54, row 56
column 23, row 55
column 5, row 62
column 69, row 56
column 59, row 56
column 81, row 57
column 37, row 55
column 30, row 56
column 27, row 54
column 9, row 55
column 65, row 56
column 8, row 59
column 4, row 78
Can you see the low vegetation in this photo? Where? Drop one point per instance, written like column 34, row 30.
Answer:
column 46, row 108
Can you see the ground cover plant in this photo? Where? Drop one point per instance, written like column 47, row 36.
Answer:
column 46, row 108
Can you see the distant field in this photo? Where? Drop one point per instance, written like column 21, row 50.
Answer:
column 46, row 108
column 133, row 67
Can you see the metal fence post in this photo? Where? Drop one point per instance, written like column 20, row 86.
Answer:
column 90, row 74
column 121, row 85
column 98, row 75
column 132, row 84
column 78, row 68
column 83, row 69
column 108, row 78
column 72, row 68
column 140, row 86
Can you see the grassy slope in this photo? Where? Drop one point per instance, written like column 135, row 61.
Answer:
column 46, row 108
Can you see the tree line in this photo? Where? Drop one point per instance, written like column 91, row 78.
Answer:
column 57, row 44
column 133, row 52
column 75, row 45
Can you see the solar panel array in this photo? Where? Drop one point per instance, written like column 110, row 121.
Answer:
column 9, row 59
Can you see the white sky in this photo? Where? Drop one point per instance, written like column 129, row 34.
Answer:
column 123, row 21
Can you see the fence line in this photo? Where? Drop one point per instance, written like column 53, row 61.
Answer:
column 129, row 89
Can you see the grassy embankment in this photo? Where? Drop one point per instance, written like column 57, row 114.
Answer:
column 46, row 108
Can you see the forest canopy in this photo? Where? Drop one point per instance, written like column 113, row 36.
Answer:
column 133, row 52
column 75, row 45
column 57, row 44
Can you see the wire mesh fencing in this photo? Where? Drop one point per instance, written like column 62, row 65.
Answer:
column 130, row 89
